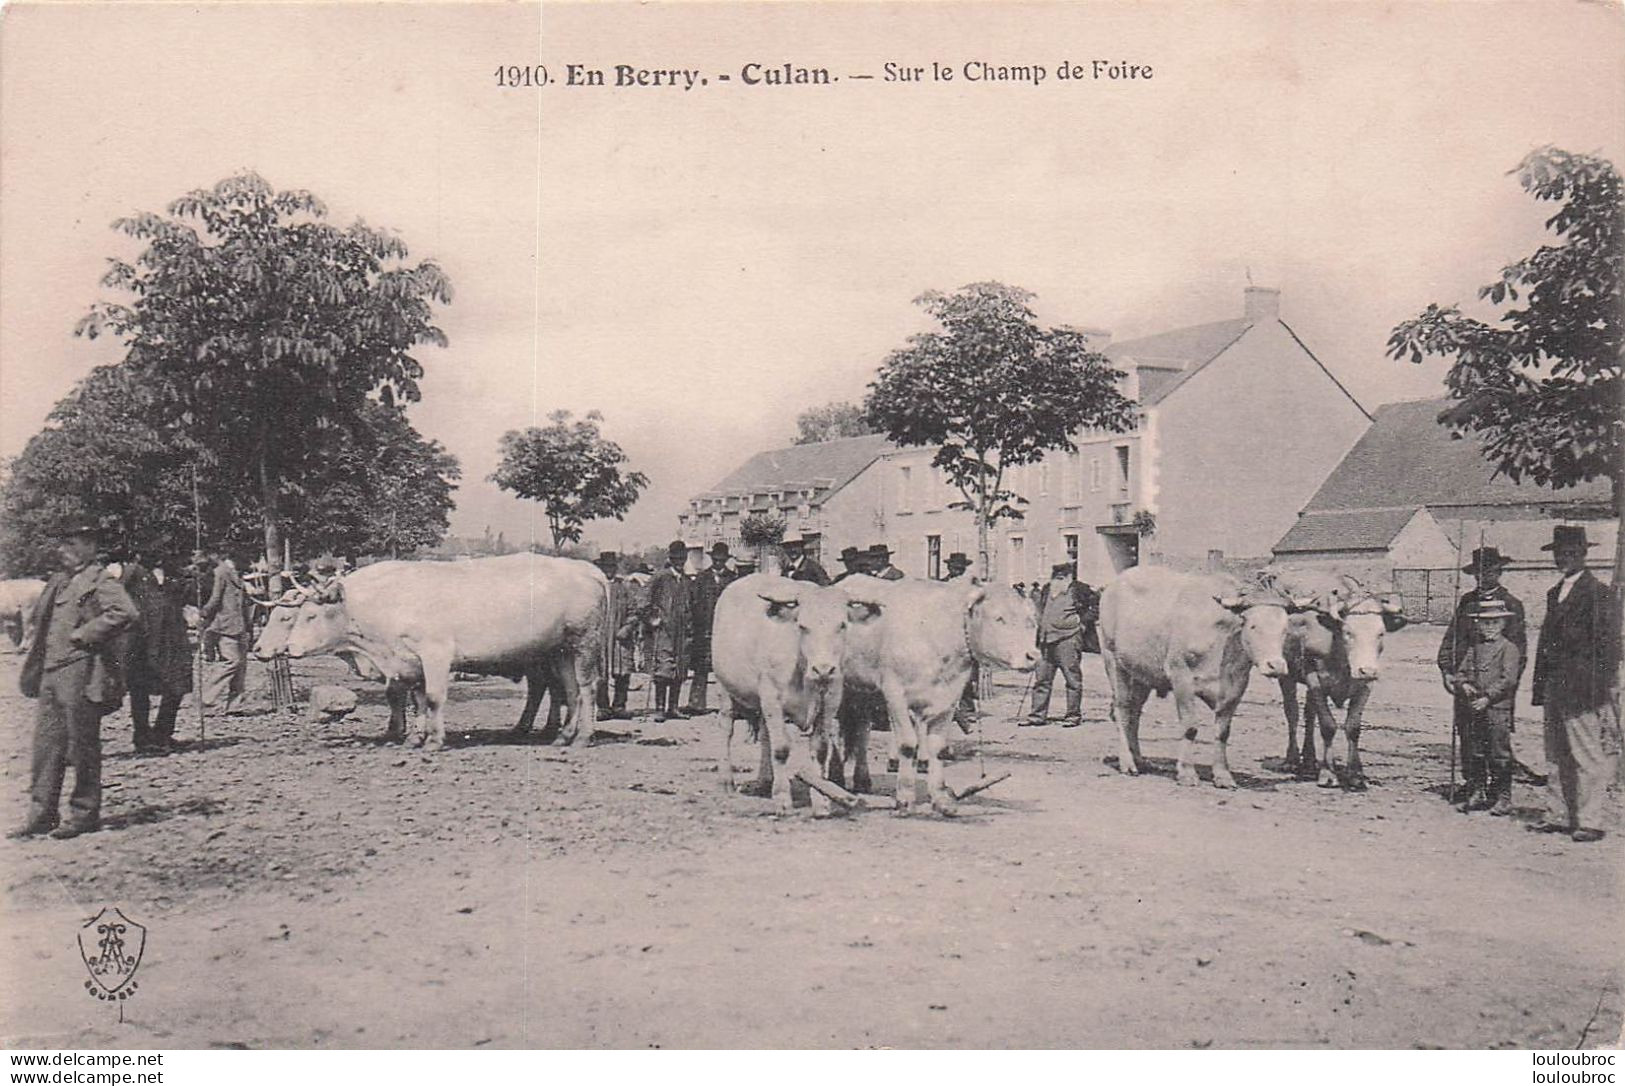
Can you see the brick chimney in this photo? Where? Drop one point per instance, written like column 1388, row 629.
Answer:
column 1262, row 304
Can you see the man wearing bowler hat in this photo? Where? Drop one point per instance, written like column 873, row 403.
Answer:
column 1576, row 676
column 851, row 564
column 880, row 564
column 73, row 670
column 704, row 589
column 958, row 565
column 722, row 564
column 1066, row 609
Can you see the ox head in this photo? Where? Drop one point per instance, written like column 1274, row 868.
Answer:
column 821, row 619
column 1362, row 622
column 1001, row 628
column 1264, row 612
column 273, row 638
column 320, row 623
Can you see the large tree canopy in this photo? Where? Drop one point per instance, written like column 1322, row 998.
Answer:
column 1542, row 385
column 374, row 487
column 992, row 389
column 258, row 327
column 572, row 470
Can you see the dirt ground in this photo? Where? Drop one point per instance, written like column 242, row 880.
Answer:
column 312, row 886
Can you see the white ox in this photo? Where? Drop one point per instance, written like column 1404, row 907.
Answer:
column 1333, row 651
column 17, row 599
column 777, row 648
column 1196, row 635
column 520, row 615
column 918, row 657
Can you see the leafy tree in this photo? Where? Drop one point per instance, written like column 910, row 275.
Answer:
column 97, row 458
column 258, row 326
column 375, row 487
column 833, row 420
column 572, row 470
column 1541, row 387
column 993, row 390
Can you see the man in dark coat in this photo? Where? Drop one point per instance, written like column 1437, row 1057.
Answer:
column 965, row 713
column 1576, row 672
column 670, row 625
column 1486, row 567
column 620, row 638
column 1067, row 610
column 704, row 589
column 851, row 564
column 1484, row 680
column 798, row 564
column 73, row 670
column 880, row 564
column 158, row 654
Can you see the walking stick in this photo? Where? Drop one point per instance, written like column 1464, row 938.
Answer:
column 1455, row 643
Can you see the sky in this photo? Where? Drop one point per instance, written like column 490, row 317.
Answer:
column 701, row 265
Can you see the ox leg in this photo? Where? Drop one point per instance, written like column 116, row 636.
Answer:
column 396, row 693
column 436, row 690
column 907, row 739
column 1354, row 774
column 726, row 766
column 1222, row 716
column 1128, row 699
column 1314, row 719
column 763, row 784
column 776, row 733
column 1185, row 704
column 1289, row 704
column 573, row 685
column 936, row 785
column 1327, row 777
column 858, row 754
column 535, row 687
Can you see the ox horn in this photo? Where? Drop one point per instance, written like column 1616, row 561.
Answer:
column 870, row 607
column 1231, row 603
column 332, row 593
column 778, row 604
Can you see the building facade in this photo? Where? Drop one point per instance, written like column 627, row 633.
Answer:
column 1238, row 424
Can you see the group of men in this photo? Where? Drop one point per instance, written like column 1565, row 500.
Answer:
column 1481, row 662
column 109, row 624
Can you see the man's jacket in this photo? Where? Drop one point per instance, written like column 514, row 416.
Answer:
column 96, row 608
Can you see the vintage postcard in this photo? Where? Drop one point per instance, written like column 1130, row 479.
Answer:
column 1065, row 526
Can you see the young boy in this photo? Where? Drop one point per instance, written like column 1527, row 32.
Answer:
column 1485, row 682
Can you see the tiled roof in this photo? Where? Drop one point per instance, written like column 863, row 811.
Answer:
column 1406, row 459
column 836, row 462
column 1357, row 530
column 1186, row 349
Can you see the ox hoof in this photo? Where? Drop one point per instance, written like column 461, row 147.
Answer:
column 759, row 789
column 862, row 784
column 433, row 743
column 417, row 739
column 944, row 806
column 1328, row 779
column 1356, row 782
column 1308, row 771
column 1187, row 778
column 1127, row 767
column 1223, row 780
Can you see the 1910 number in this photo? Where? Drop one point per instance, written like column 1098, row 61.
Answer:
column 519, row 75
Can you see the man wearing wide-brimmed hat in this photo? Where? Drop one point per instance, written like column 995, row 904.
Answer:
column 798, row 564
column 73, row 668
column 1486, row 568
column 669, row 621
column 958, row 564
column 1576, row 672
column 1484, row 681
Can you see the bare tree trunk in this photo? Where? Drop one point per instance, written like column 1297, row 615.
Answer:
column 983, row 557
column 269, row 508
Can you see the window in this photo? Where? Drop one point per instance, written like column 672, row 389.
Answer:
column 1018, row 559
column 1074, row 477
column 933, row 557
column 905, row 488
column 1122, row 468
column 1043, row 479
column 1094, row 473
column 1071, row 541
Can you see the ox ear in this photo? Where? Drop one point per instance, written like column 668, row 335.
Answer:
column 1298, row 604
column 863, row 610
column 1393, row 614
column 1231, row 603
column 779, row 606
column 331, row 593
